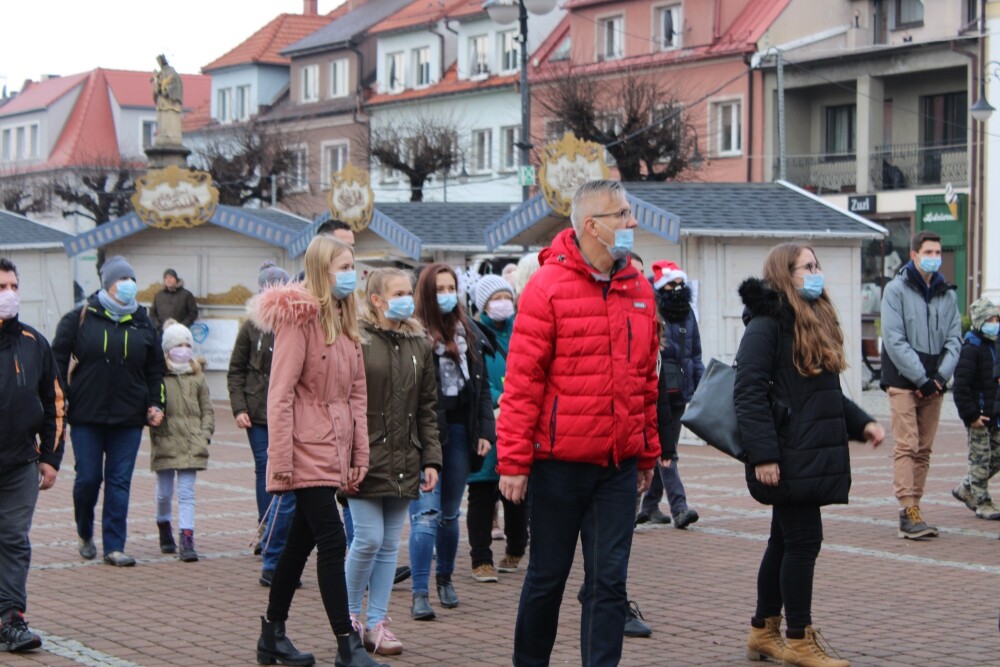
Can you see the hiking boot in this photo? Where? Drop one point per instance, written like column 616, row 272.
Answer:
column 119, row 559
column 912, row 526
column 963, row 494
column 641, row 518
column 765, row 639
column 421, row 609
column 274, row 646
column 484, row 573
column 685, row 518
column 402, row 574
column 167, row 544
column 188, row 554
column 807, row 651
column 15, row 637
column 509, row 563
column 381, row 641
column 656, row 516
column 634, row 625
column 88, row 550
column 988, row 510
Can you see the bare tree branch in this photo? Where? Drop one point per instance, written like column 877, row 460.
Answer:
column 417, row 149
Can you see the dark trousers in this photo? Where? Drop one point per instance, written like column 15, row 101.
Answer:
column 18, row 495
column 104, row 454
column 786, row 571
column 316, row 524
column 570, row 501
column 668, row 479
column 483, row 498
column 257, row 435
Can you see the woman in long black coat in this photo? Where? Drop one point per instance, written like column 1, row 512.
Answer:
column 795, row 424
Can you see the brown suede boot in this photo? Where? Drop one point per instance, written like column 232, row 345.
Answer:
column 807, row 651
column 765, row 642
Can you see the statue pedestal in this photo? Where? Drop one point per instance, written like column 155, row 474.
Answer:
column 167, row 155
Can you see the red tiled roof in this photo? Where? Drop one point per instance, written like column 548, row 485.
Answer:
column 197, row 118
column 265, row 45
column 135, row 89
column 40, row 95
column 89, row 136
column 752, row 22
column 418, row 13
column 462, row 9
column 449, row 84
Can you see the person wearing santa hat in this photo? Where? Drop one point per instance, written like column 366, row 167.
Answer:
column 681, row 369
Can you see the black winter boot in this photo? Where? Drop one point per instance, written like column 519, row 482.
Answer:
column 351, row 652
column 188, row 554
column 273, row 646
column 167, row 544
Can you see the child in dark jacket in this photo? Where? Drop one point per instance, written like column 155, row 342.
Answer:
column 975, row 391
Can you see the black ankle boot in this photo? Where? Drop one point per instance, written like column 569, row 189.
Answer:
column 273, row 646
column 167, row 544
column 446, row 591
column 351, row 652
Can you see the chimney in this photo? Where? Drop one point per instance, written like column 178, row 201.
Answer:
column 310, row 7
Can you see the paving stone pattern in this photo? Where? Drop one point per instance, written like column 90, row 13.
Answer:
column 878, row 599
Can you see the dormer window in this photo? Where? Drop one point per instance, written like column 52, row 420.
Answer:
column 394, row 77
column 479, row 56
column 508, row 51
column 610, row 38
column 224, row 105
column 338, row 77
column 422, row 66
column 668, row 27
column 310, row 83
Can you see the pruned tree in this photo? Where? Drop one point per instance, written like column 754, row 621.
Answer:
column 19, row 194
column 246, row 161
column 417, row 148
column 622, row 114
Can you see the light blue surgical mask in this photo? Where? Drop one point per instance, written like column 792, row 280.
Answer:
column 624, row 238
column 930, row 264
column 345, row 283
column 991, row 329
column 812, row 286
column 447, row 302
column 401, row 308
column 126, row 292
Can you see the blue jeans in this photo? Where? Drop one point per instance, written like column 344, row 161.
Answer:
column 371, row 561
column 257, row 435
column 18, row 496
column 568, row 501
column 276, row 533
column 104, row 454
column 669, row 479
column 434, row 515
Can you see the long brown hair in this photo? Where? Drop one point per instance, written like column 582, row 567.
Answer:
column 320, row 254
column 818, row 341
column 440, row 326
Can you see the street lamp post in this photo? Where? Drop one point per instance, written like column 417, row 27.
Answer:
column 505, row 12
column 982, row 109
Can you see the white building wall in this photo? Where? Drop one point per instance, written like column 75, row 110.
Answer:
column 129, row 130
column 46, row 286
column 405, row 43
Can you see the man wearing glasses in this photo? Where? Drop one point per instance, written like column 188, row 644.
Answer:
column 578, row 417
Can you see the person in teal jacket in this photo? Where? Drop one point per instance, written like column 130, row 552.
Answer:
column 495, row 303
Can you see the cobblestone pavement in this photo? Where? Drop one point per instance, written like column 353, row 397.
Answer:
column 878, row 599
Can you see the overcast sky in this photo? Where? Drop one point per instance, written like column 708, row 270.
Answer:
column 70, row 36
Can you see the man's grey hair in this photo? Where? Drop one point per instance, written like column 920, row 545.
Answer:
column 587, row 190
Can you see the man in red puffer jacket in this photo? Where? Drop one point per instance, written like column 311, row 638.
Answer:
column 578, row 416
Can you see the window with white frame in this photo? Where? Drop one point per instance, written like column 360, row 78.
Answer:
column 224, row 105
column 310, row 83
column 728, row 117
column 338, row 77
column 394, row 75
column 509, row 152
column 7, row 147
column 479, row 56
column 839, row 130
column 33, row 140
column 22, row 144
column 668, row 27
column 509, row 51
column 334, row 159
column 610, row 39
column 422, row 66
column 148, row 133
column 482, row 150
column 297, row 177
column 242, row 109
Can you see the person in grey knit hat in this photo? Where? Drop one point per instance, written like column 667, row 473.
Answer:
column 489, row 285
column 114, row 269
column 271, row 274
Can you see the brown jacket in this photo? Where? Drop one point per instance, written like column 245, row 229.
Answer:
column 316, row 401
column 249, row 371
column 178, row 305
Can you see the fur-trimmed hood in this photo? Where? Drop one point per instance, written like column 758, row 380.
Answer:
column 410, row 328
column 763, row 300
column 282, row 304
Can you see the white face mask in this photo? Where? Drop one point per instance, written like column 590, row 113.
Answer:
column 500, row 310
column 10, row 302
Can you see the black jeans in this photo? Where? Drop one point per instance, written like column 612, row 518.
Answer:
column 567, row 502
column 786, row 571
column 316, row 524
column 18, row 496
column 483, row 498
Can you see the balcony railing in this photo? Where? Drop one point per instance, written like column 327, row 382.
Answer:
column 903, row 166
column 822, row 173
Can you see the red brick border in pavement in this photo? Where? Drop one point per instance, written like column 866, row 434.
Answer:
column 879, row 600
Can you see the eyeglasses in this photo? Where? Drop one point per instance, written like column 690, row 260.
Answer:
column 811, row 267
column 623, row 214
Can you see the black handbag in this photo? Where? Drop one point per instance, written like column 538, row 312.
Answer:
column 711, row 414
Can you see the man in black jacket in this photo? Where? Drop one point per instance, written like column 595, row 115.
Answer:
column 32, row 416
column 173, row 302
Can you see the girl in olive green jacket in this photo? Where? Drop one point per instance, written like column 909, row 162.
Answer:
column 180, row 442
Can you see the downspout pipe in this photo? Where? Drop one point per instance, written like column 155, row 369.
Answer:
column 432, row 29
column 359, row 89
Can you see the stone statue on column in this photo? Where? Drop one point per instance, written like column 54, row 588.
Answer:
column 168, row 94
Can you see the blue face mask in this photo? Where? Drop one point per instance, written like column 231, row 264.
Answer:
column 812, row 286
column 991, row 329
column 126, row 292
column 400, row 308
column 346, row 282
column 624, row 238
column 930, row 264
column 447, row 302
